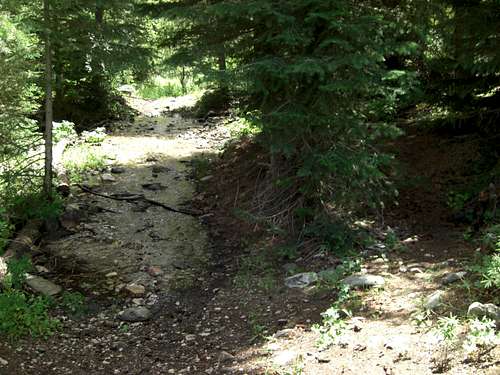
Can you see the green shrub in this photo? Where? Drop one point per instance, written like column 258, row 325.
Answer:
column 34, row 206
column 21, row 315
column 64, row 130
column 16, row 274
column 73, row 303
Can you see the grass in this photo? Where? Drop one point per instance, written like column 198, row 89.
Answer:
column 20, row 313
column 161, row 87
column 82, row 158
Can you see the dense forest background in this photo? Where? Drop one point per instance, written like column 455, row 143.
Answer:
column 322, row 86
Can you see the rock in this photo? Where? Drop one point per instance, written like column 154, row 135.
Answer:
column 111, row 274
column 154, row 186
column 190, row 337
column 118, row 170
column 107, row 177
column 285, row 358
column 138, row 301
column 160, row 169
column 42, row 286
column 364, row 281
column 206, row 178
column 283, row 333
column 435, row 300
column 155, row 271
column 135, row 290
column 301, row 280
column 225, row 356
column 71, row 217
column 453, row 277
column 41, row 269
column 135, row 314
column 3, row 362
column 487, row 309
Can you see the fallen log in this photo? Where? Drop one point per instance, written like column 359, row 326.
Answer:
column 24, row 242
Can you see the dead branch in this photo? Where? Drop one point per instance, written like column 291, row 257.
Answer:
column 138, row 197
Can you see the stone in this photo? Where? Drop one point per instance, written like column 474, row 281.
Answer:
column 41, row 269
column 283, row 333
column 111, row 274
column 42, row 286
column 160, row 169
column 206, row 178
column 127, row 89
column 108, row 177
column 3, row 362
column 225, row 356
column 364, row 281
column 301, row 280
column 488, row 310
column 154, row 186
column 135, row 290
column 118, row 170
column 453, row 277
column 190, row 337
column 135, row 314
column 285, row 358
column 155, row 271
column 71, row 217
column 435, row 300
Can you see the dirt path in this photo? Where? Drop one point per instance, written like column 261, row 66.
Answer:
column 215, row 305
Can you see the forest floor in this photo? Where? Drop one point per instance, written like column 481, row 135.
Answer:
column 199, row 293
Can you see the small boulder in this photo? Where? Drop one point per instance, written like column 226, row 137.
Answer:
column 118, row 170
column 42, row 286
column 225, row 356
column 108, row 177
column 301, row 280
column 155, row 271
column 135, row 290
column 285, row 358
column 364, row 281
column 435, row 300
column 453, row 277
column 135, row 314
column 485, row 309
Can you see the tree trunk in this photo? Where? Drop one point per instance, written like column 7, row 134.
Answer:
column 47, row 185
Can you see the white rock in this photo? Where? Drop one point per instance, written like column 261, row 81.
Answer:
column 487, row 309
column 3, row 362
column 301, row 280
column 285, row 358
column 363, row 281
column 42, row 286
column 435, row 300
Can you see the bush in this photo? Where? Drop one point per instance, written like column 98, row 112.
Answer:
column 22, row 315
